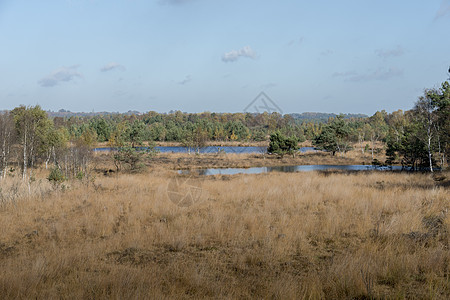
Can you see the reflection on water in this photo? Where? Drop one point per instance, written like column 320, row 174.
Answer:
column 211, row 149
column 289, row 169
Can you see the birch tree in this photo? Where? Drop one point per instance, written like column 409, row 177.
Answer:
column 425, row 115
column 7, row 135
column 440, row 99
column 31, row 123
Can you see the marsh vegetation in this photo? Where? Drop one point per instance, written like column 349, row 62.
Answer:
column 328, row 235
column 125, row 224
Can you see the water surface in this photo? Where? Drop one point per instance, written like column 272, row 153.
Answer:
column 288, row 169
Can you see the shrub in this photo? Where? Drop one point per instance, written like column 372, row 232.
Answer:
column 56, row 175
column 281, row 145
column 80, row 175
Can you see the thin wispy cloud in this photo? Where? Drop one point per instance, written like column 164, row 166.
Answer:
column 387, row 53
column 186, row 80
column 120, row 93
column 63, row 74
column 346, row 74
column 234, row 55
column 377, row 75
column 268, row 85
column 444, row 9
column 326, row 52
column 112, row 66
column 298, row 41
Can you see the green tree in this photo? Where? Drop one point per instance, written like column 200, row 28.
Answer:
column 378, row 128
column 102, row 128
column 236, row 129
column 408, row 146
column 199, row 137
column 118, row 136
column 76, row 161
column 334, row 136
column 441, row 100
column 174, row 131
column 31, row 124
column 136, row 133
column 425, row 117
column 281, row 145
column 129, row 157
column 54, row 140
column 259, row 135
column 157, row 132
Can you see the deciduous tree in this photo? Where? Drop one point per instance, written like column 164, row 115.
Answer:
column 31, row 124
column 7, row 138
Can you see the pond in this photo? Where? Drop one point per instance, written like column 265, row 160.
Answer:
column 211, row 149
column 289, row 169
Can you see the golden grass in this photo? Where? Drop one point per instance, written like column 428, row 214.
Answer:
column 282, row 236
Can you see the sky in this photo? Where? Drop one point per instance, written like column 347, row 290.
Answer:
column 348, row 56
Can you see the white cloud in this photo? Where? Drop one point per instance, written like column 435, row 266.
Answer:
column 444, row 9
column 64, row 74
column 112, row 66
column 386, row 53
column 379, row 74
column 234, row 55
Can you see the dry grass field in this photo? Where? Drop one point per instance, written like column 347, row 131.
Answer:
column 269, row 236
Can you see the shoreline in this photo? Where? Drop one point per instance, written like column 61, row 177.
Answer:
column 207, row 144
column 185, row 161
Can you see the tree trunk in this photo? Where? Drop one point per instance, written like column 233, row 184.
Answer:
column 54, row 155
column 441, row 154
column 24, row 171
column 372, row 150
column 31, row 157
column 360, row 138
column 373, row 145
column 3, row 171
column 47, row 159
column 429, row 148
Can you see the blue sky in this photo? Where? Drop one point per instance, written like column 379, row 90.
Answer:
column 212, row 55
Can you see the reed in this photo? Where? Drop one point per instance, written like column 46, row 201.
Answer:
column 282, row 236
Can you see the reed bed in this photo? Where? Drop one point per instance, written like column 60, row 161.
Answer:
column 281, row 236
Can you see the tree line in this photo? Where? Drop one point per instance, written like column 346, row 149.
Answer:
column 29, row 137
column 418, row 138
